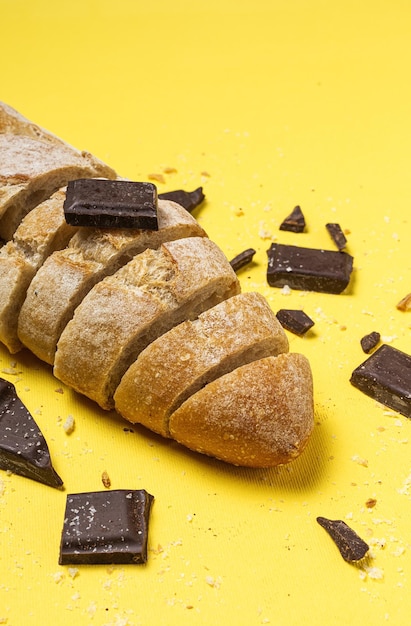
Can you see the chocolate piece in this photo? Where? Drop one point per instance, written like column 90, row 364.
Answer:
column 337, row 235
column 187, row 199
column 106, row 527
column 295, row 222
column 308, row 269
column 350, row 545
column 244, row 258
column 370, row 341
column 111, row 204
column 295, row 321
column 23, row 449
column 386, row 377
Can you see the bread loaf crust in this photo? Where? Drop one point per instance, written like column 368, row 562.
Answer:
column 124, row 312
column 259, row 415
column 92, row 254
column 192, row 354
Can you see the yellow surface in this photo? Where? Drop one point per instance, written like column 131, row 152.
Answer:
column 267, row 104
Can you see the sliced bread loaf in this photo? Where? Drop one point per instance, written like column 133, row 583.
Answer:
column 68, row 275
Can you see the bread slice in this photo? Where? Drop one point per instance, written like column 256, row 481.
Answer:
column 68, row 275
column 125, row 312
column 180, row 362
column 42, row 231
column 31, row 170
column 259, row 415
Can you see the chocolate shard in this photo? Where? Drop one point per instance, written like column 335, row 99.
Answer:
column 295, row 222
column 370, row 341
column 350, row 545
column 308, row 269
column 242, row 259
column 386, row 377
column 295, row 321
column 337, row 235
column 189, row 200
column 106, row 527
column 23, row 449
column 111, row 204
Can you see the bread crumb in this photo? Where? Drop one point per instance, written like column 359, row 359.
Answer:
column 204, row 173
column 105, row 479
column 405, row 303
column 370, row 503
column 69, row 425
column 58, row 577
column 358, row 459
column 159, row 178
column 73, row 572
column 169, row 170
column 59, row 390
column 213, row 582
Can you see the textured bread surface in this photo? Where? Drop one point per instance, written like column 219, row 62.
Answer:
column 172, row 368
column 14, row 123
column 42, row 231
column 259, row 415
column 91, row 255
column 126, row 311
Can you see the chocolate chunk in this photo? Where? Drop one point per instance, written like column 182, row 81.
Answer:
column 187, row 199
column 111, row 204
column 386, row 377
column 350, row 545
column 295, row 222
column 242, row 259
column 23, row 449
column 106, row 527
column 337, row 235
column 295, row 321
column 370, row 341
column 308, row 269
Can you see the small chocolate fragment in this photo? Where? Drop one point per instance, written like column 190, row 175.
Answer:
column 337, row 235
column 370, row 341
column 106, row 527
column 350, row 545
column 111, row 204
column 187, row 199
column 386, row 377
column 242, row 259
column 295, row 321
column 295, row 222
column 23, row 449
column 309, row 269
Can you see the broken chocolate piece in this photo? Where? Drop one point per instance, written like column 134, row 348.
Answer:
column 337, row 235
column 106, row 527
column 23, row 449
column 386, row 377
column 242, row 259
column 295, row 222
column 189, row 200
column 111, row 204
column 350, row 545
column 370, row 341
column 308, row 269
column 295, row 321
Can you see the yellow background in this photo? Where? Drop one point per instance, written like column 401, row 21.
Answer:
column 267, row 104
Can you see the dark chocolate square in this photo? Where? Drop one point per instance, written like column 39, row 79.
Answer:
column 386, row 377
column 111, row 204
column 308, row 269
column 106, row 527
